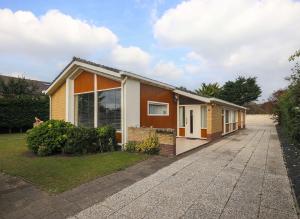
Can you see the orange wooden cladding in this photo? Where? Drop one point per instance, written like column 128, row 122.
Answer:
column 106, row 83
column 119, row 137
column 203, row 133
column 182, row 132
column 84, row 82
column 152, row 93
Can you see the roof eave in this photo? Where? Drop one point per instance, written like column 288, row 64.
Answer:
column 147, row 80
column 226, row 103
column 193, row 96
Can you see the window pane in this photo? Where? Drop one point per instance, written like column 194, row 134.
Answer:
column 158, row 109
column 84, row 110
column 181, row 116
column 109, row 108
column 203, row 117
column 226, row 116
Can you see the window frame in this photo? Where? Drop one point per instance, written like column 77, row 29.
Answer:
column 201, row 116
column 180, row 125
column 157, row 103
column 76, row 116
column 98, row 113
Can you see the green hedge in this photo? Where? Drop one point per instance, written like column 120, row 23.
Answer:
column 287, row 108
column 19, row 113
column 54, row 137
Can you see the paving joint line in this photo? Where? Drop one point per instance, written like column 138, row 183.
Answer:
column 218, row 173
column 263, row 181
column 240, row 176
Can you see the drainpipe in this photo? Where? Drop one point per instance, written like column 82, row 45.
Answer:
column 123, row 112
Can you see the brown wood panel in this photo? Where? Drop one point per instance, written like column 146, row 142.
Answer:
column 182, row 132
column 227, row 128
column 119, row 137
column 84, row 82
column 203, row 133
column 152, row 93
column 222, row 123
column 106, row 83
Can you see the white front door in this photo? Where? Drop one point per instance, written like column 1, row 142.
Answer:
column 192, row 120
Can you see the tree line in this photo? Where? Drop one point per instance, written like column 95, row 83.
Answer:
column 20, row 102
column 241, row 91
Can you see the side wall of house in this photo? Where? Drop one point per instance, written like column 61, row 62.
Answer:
column 152, row 93
column 214, row 121
column 131, row 105
column 58, row 103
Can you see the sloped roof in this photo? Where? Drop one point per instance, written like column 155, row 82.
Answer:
column 120, row 73
column 41, row 85
column 87, row 62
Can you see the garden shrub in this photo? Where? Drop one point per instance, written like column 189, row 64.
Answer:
column 130, row 146
column 287, row 109
column 48, row 138
column 149, row 146
column 107, row 138
column 55, row 136
column 81, row 141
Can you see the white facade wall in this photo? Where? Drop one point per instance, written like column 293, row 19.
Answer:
column 131, row 105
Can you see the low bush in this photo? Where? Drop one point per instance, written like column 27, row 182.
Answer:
column 54, row 136
column 149, row 146
column 131, row 146
column 107, row 138
column 48, row 138
column 81, row 141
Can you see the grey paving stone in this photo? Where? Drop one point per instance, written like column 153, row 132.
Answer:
column 240, row 209
column 96, row 211
column 281, row 201
column 267, row 213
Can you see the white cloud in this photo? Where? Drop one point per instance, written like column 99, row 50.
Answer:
column 57, row 36
column 254, row 37
column 51, row 34
column 130, row 58
column 166, row 70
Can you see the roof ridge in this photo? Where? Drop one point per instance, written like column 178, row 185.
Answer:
column 96, row 64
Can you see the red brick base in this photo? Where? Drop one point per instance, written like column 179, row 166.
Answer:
column 167, row 150
column 214, row 136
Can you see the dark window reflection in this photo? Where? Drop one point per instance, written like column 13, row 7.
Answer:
column 84, row 110
column 109, row 108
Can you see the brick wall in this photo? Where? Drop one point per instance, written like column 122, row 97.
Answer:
column 166, row 138
column 214, row 121
column 58, row 103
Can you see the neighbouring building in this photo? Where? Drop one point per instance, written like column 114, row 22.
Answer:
column 41, row 86
column 92, row 95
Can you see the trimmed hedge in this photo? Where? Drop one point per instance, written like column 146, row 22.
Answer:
column 54, row 137
column 17, row 114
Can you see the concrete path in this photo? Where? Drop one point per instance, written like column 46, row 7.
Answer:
column 241, row 176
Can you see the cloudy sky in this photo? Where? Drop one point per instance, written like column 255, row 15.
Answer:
column 179, row 42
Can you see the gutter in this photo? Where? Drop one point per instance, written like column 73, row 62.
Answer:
column 123, row 111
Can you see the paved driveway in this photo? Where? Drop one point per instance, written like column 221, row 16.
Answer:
column 241, row 176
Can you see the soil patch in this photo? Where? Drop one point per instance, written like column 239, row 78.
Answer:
column 292, row 159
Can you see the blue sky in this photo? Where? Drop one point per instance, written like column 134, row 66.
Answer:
column 179, row 42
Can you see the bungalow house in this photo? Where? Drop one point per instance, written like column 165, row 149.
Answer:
column 93, row 95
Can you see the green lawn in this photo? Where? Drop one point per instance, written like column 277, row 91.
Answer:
column 56, row 174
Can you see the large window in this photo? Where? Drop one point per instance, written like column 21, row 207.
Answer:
column 109, row 108
column 181, row 116
column 203, row 117
column 158, row 109
column 84, row 110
